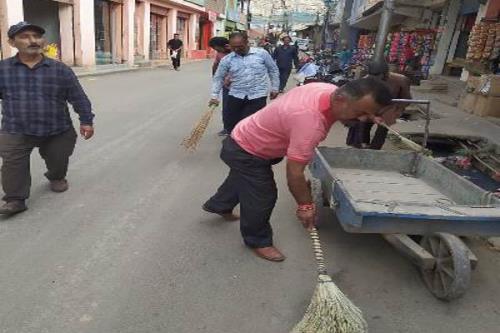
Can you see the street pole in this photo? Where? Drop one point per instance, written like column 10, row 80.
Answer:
column 325, row 25
column 383, row 29
column 249, row 15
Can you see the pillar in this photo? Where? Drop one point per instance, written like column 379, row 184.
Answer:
column 117, row 33
column 84, row 32
column 147, row 29
column 66, row 33
column 193, row 23
column 128, row 32
column 11, row 12
column 446, row 36
column 172, row 23
column 139, row 28
column 163, row 38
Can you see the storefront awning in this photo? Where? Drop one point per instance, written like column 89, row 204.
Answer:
column 370, row 19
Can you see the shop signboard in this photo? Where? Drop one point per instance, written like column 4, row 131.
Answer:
column 212, row 16
column 232, row 10
column 197, row 2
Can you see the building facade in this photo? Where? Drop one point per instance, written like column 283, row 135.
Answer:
column 98, row 32
column 434, row 33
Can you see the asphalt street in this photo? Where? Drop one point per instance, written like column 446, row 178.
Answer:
column 128, row 249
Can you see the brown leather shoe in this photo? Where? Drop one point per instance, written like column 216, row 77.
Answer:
column 269, row 253
column 13, row 207
column 228, row 216
column 60, row 185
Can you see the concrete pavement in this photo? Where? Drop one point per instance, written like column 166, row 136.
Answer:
column 128, row 249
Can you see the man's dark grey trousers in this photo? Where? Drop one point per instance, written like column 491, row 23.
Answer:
column 15, row 150
column 251, row 184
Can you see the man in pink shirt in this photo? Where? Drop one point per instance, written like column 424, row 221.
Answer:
column 291, row 127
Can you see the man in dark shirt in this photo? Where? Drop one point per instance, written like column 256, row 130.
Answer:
column 34, row 92
column 175, row 47
column 286, row 55
column 359, row 135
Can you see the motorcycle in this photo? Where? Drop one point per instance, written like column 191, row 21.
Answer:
column 323, row 67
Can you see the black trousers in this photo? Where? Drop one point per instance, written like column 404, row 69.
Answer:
column 251, row 184
column 225, row 111
column 359, row 133
column 284, row 75
column 16, row 149
column 238, row 109
column 176, row 61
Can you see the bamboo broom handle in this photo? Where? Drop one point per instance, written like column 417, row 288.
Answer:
column 318, row 252
column 413, row 145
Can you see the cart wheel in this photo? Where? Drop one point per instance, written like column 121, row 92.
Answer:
column 317, row 195
column 450, row 277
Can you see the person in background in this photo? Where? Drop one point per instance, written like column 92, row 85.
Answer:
column 285, row 56
column 359, row 135
column 345, row 56
column 251, row 70
column 221, row 46
column 291, row 127
column 35, row 91
column 266, row 45
column 175, row 47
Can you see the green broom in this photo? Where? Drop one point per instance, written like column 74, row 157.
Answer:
column 330, row 311
column 192, row 141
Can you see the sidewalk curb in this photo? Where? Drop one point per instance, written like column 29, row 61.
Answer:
column 100, row 72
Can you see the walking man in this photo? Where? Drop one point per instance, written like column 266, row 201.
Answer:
column 175, row 47
column 221, row 46
column 250, row 70
column 286, row 55
column 34, row 92
column 359, row 135
column 291, row 127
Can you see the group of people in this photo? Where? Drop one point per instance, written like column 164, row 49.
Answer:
column 245, row 72
column 290, row 127
column 35, row 91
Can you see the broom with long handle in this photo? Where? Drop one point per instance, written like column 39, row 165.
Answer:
column 413, row 145
column 192, row 141
column 330, row 311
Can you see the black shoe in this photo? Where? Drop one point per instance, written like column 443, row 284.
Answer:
column 13, row 207
column 228, row 215
column 223, row 133
column 59, row 185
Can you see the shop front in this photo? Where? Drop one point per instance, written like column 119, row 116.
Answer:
column 207, row 24
column 229, row 28
column 55, row 16
column 110, row 23
column 45, row 13
column 158, row 33
column 182, row 30
column 104, row 28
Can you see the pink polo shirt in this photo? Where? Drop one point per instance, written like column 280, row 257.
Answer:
column 292, row 125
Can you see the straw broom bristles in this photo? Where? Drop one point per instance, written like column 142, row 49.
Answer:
column 191, row 142
column 409, row 143
column 330, row 311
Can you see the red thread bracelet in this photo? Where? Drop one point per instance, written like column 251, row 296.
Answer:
column 305, row 207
